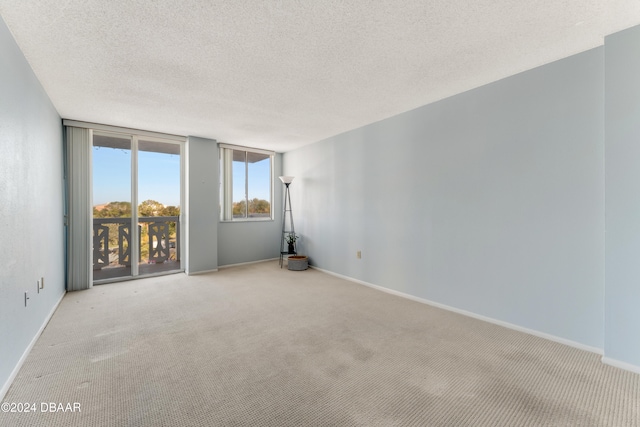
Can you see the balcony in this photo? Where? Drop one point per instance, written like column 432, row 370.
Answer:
column 158, row 243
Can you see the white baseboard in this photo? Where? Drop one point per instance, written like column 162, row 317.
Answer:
column 471, row 314
column 622, row 365
column 25, row 354
column 188, row 273
column 247, row 263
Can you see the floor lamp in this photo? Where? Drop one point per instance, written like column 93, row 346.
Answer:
column 290, row 232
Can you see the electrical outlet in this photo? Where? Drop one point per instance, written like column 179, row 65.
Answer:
column 359, row 254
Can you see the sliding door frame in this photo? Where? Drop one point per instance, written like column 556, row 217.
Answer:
column 136, row 136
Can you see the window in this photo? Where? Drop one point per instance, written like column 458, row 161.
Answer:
column 246, row 183
column 132, row 170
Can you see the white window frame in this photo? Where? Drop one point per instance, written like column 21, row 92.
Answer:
column 226, row 182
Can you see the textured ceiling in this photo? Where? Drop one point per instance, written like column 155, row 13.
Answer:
column 280, row 74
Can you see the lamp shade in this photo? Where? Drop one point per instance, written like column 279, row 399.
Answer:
column 286, row 179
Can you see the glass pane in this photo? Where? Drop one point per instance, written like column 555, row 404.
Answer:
column 112, row 206
column 259, row 191
column 239, row 184
column 159, row 206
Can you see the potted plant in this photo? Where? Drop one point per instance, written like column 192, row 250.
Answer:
column 291, row 240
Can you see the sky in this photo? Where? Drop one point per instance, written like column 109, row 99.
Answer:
column 159, row 177
column 259, row 184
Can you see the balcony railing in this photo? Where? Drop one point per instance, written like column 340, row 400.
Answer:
column 112, row 243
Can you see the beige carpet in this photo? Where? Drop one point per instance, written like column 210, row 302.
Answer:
column 258, row 345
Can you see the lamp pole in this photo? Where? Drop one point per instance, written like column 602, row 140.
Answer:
column 286, row 180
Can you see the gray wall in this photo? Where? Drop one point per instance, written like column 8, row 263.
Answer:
column 202, row 184
column 31, row 207
column 622, row 113
column 212, row 243
column 240, row 242
column 491, row 201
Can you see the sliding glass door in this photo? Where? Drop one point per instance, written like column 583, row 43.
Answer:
column 145, row 173
column 111, row 159
column 159, row 206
